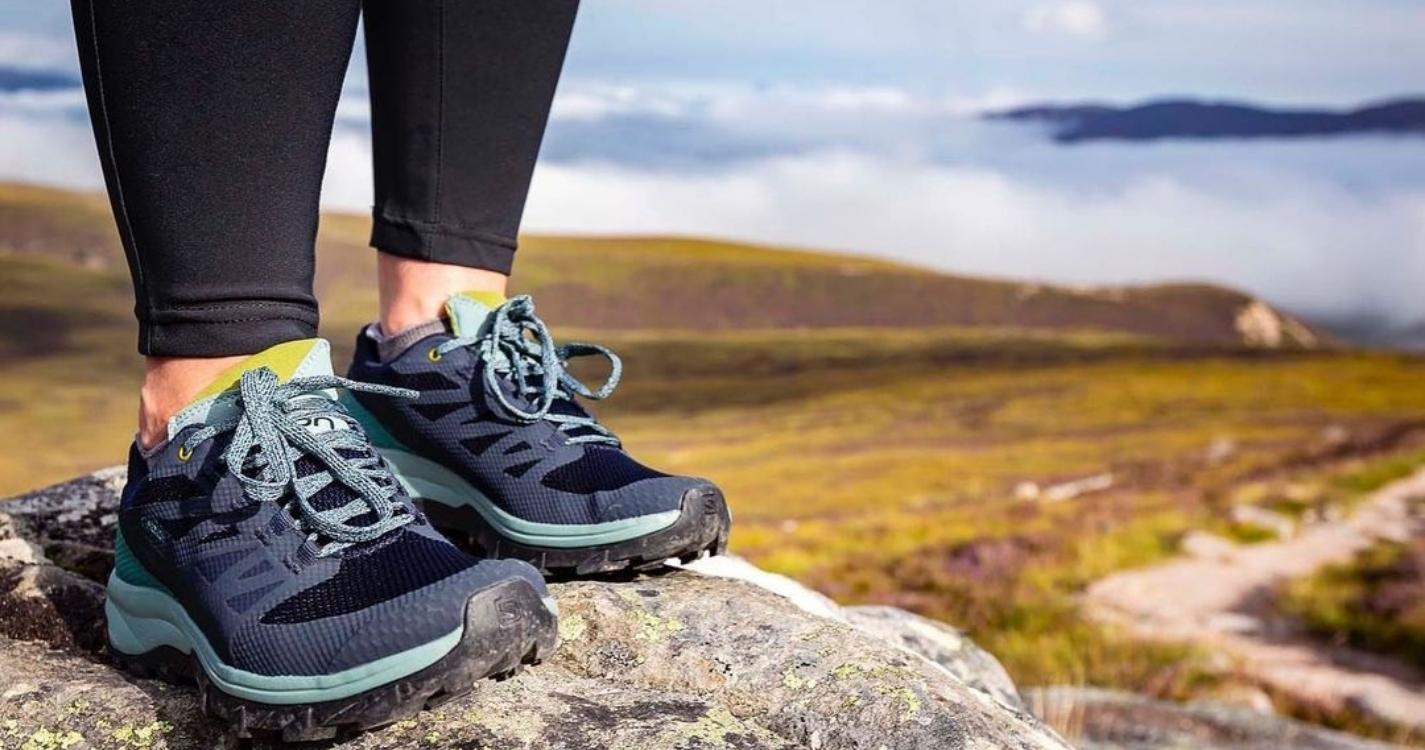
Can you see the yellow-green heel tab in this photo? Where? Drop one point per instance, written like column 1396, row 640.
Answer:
column 467, row 310
column 288, row 360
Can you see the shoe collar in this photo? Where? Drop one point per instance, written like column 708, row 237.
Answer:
column 292, row 359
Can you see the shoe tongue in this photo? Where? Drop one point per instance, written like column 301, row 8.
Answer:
column 292, row 359
column 467, row 311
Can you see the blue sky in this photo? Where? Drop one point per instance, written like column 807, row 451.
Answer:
column 1317, row 51
column 1280, row 50
column 849, row 125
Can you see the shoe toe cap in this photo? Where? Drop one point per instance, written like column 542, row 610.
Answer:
column 432, row 612
column 649, row 497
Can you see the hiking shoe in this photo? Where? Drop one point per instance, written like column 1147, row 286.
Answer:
column 497, row 448
column 265, row 550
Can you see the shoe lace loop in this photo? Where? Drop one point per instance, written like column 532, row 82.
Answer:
column 517, row 345
column 274, row 418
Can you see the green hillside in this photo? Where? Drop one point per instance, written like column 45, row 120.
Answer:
column 625, row 283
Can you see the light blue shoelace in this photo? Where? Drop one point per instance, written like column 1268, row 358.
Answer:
column 274, row 417
column 516, row 344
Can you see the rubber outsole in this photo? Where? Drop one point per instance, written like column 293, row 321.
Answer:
column 702, row 528
column 507, row 626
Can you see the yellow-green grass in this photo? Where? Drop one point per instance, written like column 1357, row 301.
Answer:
column 854, row 449
column 1359, row 478
column 857, row 484
column 1375, row 602
column 876, row 462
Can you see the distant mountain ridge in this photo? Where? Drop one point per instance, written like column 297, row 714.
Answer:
column 21, row 79
column 1190, row 118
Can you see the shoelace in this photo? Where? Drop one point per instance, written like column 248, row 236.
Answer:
column 269, row 415
column 536, row 367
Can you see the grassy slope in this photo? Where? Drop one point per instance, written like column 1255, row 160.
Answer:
column 876, row 460
column 694, row 285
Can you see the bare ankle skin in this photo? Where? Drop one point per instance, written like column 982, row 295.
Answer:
column 169, row 384
column 414, row 291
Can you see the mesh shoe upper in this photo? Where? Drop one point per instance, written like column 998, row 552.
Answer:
column 274, row 590
column 473, row 416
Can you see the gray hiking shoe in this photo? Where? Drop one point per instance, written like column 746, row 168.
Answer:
column 266, row 551
column 498, row 449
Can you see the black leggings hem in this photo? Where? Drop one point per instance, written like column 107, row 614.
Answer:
column 226, row 331
column 442, row 244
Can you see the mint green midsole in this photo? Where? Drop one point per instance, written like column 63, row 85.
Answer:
column 142, row 619
column 429, row 480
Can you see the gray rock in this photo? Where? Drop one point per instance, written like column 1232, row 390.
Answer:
column 680, row 660
column 71, row 699
column 732, row 566
column 1096, row 719
column 934, row 641
column 43, row 602
column 942, row 645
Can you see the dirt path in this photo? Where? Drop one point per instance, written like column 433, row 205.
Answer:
column 1220, row 597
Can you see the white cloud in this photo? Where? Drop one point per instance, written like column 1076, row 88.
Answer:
column 732, row 102
column 347, row 182
column 1313, row 247
column 588, row 101
column 354, row 108
column 1082, row 19
column 36, row 52
column 51, row 151
column 40, row 102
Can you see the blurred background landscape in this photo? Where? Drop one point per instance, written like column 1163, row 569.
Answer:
column 1015, row 316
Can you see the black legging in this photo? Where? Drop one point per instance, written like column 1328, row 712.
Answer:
column 212, row 119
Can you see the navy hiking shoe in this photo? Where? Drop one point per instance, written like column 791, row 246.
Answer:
column 497, row 449
column 266, row 551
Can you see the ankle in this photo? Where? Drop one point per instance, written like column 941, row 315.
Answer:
column 414, row 291
column 169, row 384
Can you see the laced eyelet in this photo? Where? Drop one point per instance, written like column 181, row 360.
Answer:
column 184, row 453
column 433, row 355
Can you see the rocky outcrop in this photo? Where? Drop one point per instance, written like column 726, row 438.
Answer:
column 686, row 659
column 1263, row 327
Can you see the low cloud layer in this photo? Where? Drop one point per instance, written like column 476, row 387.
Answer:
column 1319, row 249
column 1328, row 226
